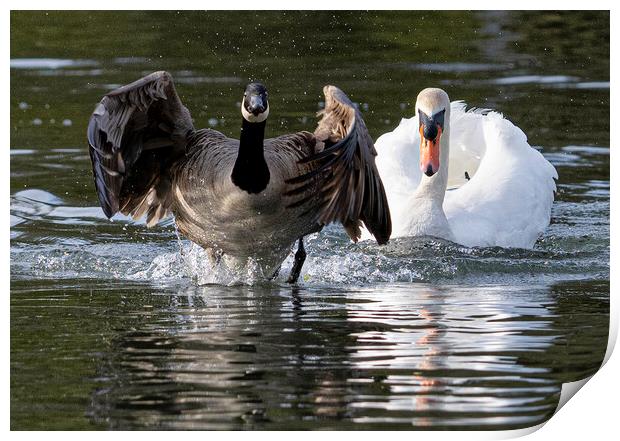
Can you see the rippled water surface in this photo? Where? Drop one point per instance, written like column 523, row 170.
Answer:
column 117, row 326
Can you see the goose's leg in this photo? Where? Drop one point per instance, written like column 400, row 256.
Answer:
column 276, row 273
column 300, row 257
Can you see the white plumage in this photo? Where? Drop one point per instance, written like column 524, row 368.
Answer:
column 507, row 202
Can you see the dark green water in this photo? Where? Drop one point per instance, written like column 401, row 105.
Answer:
column 110, row 328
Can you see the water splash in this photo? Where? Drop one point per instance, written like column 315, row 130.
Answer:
column 194, row 263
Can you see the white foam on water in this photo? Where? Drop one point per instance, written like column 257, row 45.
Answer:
column 193, row 262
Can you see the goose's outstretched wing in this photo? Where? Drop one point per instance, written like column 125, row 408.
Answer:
column 135, row 134
column 350, row 188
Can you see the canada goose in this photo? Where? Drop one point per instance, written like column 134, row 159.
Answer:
column 500, row 189
column 238, row 199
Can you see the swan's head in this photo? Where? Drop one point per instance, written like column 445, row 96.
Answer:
column 431, row 107
column 255, row 107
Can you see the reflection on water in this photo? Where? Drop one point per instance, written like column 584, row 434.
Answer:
column 400, row 356
column 109, row 328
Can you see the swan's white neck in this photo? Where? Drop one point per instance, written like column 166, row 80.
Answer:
column 427, row 216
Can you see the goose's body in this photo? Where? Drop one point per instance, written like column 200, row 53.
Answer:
column 213, row 212
column 239, row 199
column 505, row 202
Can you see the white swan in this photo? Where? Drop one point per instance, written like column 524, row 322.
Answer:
column 477, row 182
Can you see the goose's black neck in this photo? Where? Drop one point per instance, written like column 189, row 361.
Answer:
column 250, row 172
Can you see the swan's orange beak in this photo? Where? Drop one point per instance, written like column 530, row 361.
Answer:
column 429, row 150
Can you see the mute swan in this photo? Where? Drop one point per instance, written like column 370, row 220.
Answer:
column 477, row 181
column 238, row 199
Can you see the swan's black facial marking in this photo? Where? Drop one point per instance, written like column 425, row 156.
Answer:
column 431, row 124
column 255, row 106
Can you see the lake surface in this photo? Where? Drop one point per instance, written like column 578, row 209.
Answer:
column 115, row 326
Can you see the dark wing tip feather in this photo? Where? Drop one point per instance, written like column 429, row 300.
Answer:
column 377, row 216
column 100, row 152
column 107, row 200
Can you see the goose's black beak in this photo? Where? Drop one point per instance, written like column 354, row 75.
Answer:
column 256, row 105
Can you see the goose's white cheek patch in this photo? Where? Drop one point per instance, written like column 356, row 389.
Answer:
column 250, row 117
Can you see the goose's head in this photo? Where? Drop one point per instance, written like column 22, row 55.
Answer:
column 255, row 107
column 433, row 110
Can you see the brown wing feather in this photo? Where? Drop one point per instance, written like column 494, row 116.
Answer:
column 135, row 133
column 351, row 189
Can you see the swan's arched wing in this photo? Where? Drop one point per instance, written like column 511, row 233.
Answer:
column 135, row 134
column 508, row 200
column 351, row 191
